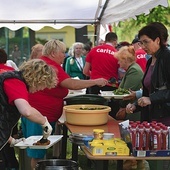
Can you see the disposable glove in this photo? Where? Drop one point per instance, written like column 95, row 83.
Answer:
column 15, row 141
column 47, row 129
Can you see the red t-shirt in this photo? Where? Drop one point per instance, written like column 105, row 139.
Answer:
column 49, row 102
column 141, row 58
column 15, row 89
column 4, row 68
column 103, row 63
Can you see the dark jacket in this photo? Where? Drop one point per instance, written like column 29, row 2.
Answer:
column 160, row 87
column 9, row 114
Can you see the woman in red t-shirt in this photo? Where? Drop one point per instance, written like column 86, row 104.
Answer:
column 50, row 102
column 34, row 75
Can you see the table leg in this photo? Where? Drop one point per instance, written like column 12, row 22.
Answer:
column 21, row 159
column 64, row 142
column 24, row 160
column 119, row 165
column 101, row 164
column 74, row 152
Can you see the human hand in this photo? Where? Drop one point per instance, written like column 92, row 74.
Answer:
column 15, row 141
column 130, row 108
column 101, row 82
column 121, row 114
column 131, row 96
column 47, row 129
column 144, row 101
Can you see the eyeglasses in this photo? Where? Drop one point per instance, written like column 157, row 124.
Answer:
column 144, row 42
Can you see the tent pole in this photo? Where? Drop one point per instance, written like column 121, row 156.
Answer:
column 97, row 31
column 103, row 10
column 97, row 25
column 7, row 40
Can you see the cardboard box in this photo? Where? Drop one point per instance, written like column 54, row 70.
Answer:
column 159, row 153
column 114, row 147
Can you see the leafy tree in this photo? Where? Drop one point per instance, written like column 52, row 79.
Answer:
column 159, row 14
column 126, row 30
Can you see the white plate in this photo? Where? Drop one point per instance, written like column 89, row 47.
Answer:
column 107, row 94
column 32, row 139
column 110, row 94
column 119, row 96
column 73, row 93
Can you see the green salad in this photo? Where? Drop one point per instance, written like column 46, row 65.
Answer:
column 121, row 91
column 92, row 108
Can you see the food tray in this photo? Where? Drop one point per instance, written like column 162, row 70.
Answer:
column 32, row 139
column 80, row 135
column 110, row 94
column 73, row 93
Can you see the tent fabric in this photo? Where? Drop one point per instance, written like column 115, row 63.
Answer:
column 124, row 9
column 36, row 14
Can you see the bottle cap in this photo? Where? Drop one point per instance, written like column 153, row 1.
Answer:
column 98, row 130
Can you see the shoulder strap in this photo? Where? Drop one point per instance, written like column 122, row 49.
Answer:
column 78, row 64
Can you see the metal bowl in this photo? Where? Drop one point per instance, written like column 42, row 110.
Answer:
column 57, row 164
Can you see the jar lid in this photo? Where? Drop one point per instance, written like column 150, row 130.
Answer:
column 98, row 130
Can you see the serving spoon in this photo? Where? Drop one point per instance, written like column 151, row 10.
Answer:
column 43, row 139
column 112, row 80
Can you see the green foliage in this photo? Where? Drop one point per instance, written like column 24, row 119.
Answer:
column 159, row 14
column 41, row 41
column 126, row 30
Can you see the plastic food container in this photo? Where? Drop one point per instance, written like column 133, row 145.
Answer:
column 86, row 99
column 87, row 114
column 107, row 136
column 98, row 133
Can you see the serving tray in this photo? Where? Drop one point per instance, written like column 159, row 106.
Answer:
column 33, row 139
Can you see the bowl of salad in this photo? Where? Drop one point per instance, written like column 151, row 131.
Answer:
column 86, row 114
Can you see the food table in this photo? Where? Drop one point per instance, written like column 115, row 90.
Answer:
column 101, row 162
column 111, row 126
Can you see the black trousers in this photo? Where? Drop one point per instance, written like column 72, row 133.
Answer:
column 2, row 165
column 7, row 158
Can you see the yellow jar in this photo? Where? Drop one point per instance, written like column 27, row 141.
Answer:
column 98, row 133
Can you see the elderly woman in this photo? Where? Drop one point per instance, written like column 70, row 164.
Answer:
column 51, row 101
column 75, row 64
column 33, row 76
column 131, row 80
column 127, row 60
column 133, row 76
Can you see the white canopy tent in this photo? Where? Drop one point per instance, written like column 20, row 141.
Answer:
column 36, row 14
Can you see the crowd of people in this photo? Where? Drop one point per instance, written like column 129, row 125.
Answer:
column 36, row 90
